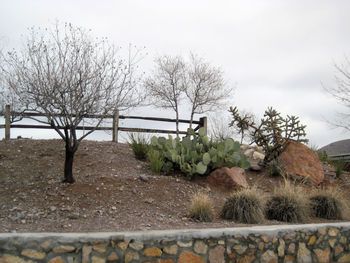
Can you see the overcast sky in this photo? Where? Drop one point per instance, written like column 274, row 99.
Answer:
column 277, row 53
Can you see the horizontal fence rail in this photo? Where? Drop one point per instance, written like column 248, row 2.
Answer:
column 340, row 157
column 202, row 122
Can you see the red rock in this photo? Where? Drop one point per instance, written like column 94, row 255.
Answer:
column 298, row 160
column 228, row 178
column 189, row 257
column 152, row 252
column 56, row 260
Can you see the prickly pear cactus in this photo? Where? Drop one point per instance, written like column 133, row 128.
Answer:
column 196, row 154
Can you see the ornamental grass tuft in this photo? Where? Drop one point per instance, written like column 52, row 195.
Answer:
column 288, row 203
column 201, row 207
column 244, row 206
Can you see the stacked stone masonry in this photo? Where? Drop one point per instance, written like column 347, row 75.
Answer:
column 287, row 243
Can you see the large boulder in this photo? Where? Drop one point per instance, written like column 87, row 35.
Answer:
column 298, row 160
column 228, row 178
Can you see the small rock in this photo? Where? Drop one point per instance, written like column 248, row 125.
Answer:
column 63, row 249
column 200, row 247
column 15, row 208
column 144, row 178
column 149, row 201
column 172, row 250
column 217, row 255
column 53, row 208
column 152, row 252
column 248, row 152
column 73, row 216
column 258, row 156
column 256, row 168
column 269, row 256
column 31, row 253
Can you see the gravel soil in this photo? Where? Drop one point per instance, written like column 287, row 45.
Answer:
column 113, row 191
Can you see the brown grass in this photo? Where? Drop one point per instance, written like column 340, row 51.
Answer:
column 288, row 203
column 244, row 206
column 201, row 207
column 328, row 203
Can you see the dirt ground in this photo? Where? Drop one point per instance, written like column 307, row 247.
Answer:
column 113, row 190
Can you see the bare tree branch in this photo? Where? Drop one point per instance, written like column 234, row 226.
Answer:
column 341, row 92
column 65, row 71
column 167, row 84
column 206, row 88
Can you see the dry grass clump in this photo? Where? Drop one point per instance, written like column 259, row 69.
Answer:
column 201, row 207
column 327, row 203
column 288, row 203
column 244, row 206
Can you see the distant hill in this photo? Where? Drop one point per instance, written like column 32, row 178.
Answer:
column 338, row 147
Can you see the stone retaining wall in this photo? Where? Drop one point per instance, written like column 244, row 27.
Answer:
column 281, row 243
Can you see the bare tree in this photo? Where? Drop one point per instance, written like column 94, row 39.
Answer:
column 7, row 97
column 341, row 92
column 68, row 75
column 219, row 129
column 167, row 84
column 206, row 88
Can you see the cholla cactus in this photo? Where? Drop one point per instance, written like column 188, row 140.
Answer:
column 272, row 133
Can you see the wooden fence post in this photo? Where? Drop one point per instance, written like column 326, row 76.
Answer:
column 7, row 122
column 204, row 124
column 115, row 125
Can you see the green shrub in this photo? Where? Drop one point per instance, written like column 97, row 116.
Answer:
column 156, row 161
column 339, row 167
column 274, row 169
column 322, row 156
column 244, row 206
column 139, row 145
column 201, row 208
column 287, row 204
column 327, row 203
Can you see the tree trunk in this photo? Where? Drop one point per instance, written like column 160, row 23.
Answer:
column 191, row 120
column 177, row 123
column 68, row 165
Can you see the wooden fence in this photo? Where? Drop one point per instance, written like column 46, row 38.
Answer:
column 345, row 157
column 202, row 122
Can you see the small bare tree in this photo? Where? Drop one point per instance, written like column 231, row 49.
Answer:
column 206, row 88
column 341, row 92
column 67, row 75
column 167, row 83
column 7, row 97
column 219, row 129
